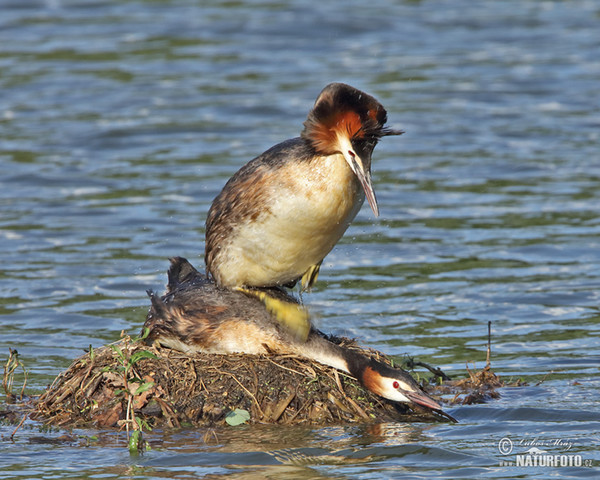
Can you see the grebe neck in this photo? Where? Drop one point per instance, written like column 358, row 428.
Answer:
column 392, row 383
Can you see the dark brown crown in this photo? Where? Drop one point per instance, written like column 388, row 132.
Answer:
column 344, row 110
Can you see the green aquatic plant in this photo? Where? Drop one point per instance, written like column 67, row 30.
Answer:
column 133, row 386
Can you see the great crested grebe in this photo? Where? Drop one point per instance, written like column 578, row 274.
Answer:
column 195, row 315
column 279, row 216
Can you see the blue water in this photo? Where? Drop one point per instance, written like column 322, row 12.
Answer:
column 121, row 120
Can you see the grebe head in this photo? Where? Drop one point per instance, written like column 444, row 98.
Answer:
column 395, row 384
column 347, row 121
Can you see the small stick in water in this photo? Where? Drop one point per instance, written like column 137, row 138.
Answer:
column 489, row 346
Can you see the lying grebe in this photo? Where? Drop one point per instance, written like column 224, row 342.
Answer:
column 282, row 213
column 195, row 315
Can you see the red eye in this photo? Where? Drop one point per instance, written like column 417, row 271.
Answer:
column 396, row 384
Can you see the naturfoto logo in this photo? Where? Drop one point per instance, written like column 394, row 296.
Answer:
column 534, row 453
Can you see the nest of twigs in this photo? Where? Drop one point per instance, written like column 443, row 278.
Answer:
column 129, row 382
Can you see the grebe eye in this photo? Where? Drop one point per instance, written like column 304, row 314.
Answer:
column 396, row 384
column 351, row 153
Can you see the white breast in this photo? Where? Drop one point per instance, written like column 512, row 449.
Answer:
column 308, row 211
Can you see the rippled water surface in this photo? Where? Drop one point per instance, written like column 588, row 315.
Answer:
column 121, row 120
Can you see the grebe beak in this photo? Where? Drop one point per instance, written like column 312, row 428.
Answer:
column 421, row 398
column 362, row 169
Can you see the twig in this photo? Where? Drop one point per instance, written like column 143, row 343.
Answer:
column 168, row 412
column 210, row 433
column 338, row 382
column 489, row 345
column 281, row 406
column 19, row 426
column 286, row 368
column 410, row 364
column 247, row 391
column 543, row 379
column 302, row 407
column 359, row 410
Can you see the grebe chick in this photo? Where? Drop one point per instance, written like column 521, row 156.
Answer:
column 279, row 216
column 195, row 315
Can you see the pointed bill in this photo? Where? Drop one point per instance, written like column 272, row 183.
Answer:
column 365, row 180
column 421, row 398
column 364, row 177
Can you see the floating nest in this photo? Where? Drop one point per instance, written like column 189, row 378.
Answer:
column 129, row 382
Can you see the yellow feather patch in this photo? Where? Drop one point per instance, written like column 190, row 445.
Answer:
column 293, row 317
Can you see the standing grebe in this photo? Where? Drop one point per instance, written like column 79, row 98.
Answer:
column 279, row 216
column 195, row 315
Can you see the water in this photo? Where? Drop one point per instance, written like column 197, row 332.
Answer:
column 120, row 121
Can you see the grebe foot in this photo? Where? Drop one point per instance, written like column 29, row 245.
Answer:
column 293, row 317
column 310, row 277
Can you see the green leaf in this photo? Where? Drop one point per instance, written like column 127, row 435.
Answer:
column 144, row 335
column 135, row 442
column 143, row 425
column 118, row 351
column 237, row 417
column 139, row 355
column 143, row 387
